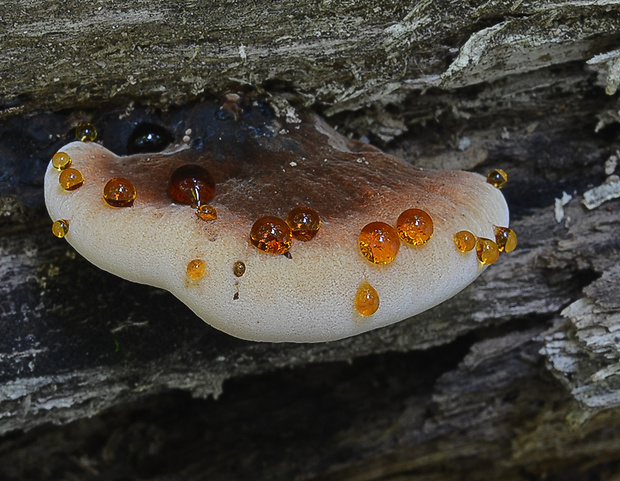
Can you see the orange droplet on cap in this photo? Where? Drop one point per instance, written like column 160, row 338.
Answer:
column 271, row 235
column 379, row 243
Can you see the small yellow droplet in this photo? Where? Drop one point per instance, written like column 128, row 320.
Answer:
column 196, row 269
column 497, row 178
column 379, row 242
column 61, row 160
column 70, row 179
column 60, row 228
column 86, row 132
column 506, row 239
column 304, row 222
column 119, row 192
column 415, row 226
column 487, row 251
column 465, row 240
column 206, row 212
column 366, row 299
column 238, row 268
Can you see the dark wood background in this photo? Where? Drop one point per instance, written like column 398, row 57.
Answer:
column 516, row 378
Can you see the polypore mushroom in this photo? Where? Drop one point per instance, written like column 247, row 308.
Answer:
column 278, row 228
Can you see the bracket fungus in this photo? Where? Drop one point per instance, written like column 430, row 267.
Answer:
column 275, row 227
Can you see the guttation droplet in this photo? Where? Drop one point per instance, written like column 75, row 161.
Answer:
column 86, row 132
column 196, row 269
column 415, row 226
column 464, row 240
column 191, row 184
column 506, row 239
column 60, row 228
column 304, row 222
column 366, row 299
column 271, row 235
column 70, row 179
column 206, row 212
column 119, row 192
column 497, row 178
column 379, row 242
column 238, row 269
column 61, row 160
column 487, row 251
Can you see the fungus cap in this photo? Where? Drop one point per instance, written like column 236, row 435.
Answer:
column 263, row 166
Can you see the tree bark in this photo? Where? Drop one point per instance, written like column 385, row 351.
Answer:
column 516, row 378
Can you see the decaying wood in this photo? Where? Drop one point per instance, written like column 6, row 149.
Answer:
column 516, row 378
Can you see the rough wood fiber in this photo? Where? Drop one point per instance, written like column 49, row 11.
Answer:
column 514, row 379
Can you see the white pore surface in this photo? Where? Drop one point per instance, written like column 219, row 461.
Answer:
column 309, row 298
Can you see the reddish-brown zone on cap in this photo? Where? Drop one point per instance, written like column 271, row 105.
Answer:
column 305, row 163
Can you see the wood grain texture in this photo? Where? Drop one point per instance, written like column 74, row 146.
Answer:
column 516, row 378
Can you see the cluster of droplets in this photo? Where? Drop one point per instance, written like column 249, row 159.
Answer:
column 379, row 243
column 488, row 250
column 275, row 236
column 118, row 192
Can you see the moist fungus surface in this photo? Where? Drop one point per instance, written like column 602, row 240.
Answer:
column 272, row 226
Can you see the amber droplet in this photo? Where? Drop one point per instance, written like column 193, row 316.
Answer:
column 119, row 192
column 506, row 239
column 60, row 228
column 414, row 226
column 191, row 184
column 238, row 268
column 379, row 242
column 206, row 212
column 272, row 235
column 366, row 299
column 196, row 269
column 86, row 132
column 487, row 251
column 464, row 240
column 70, row 179
column 304, row 222
column 61, row 160
column 497, row 178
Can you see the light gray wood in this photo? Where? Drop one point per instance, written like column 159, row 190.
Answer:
column 515, row 378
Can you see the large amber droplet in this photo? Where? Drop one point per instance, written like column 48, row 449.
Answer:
column 379, row 242
column 506, row 239
column 196, row 269
column 86, row 132
column 61, row 160
column 304, row 222
column 272, row 235
column 206, row 212
column 119, row 192
column 497, row 178
column 487, row 251
column 366, row 299
column 60, row 228
column 414, row 226
column 70, row 179
column 464, row 240
column 191, row 184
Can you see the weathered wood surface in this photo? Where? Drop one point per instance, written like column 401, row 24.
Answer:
column 516, row 378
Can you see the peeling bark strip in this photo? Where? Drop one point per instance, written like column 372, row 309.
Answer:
column 514, row 379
